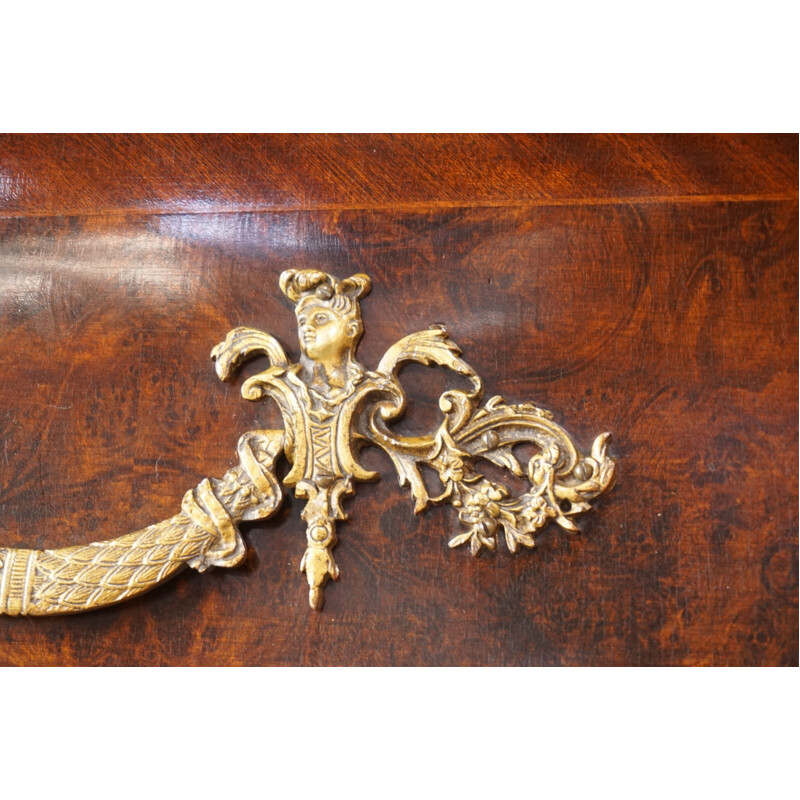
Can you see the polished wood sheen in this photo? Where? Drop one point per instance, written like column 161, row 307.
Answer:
column 644, row 285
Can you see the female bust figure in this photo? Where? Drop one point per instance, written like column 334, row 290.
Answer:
column 329, row 328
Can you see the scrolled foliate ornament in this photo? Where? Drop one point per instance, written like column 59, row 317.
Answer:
column 331, row 406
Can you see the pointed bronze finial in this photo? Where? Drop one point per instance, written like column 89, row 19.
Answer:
column 329, row 402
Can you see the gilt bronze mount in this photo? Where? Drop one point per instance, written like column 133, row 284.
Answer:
column 331, row 406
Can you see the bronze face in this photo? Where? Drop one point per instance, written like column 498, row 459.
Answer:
column 324, row 334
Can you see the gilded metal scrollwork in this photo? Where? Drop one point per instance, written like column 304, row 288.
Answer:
column 331, row 406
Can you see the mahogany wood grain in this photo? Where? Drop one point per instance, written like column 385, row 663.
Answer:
column 644, row 285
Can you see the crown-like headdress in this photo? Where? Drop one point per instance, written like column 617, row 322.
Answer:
column 297, row 284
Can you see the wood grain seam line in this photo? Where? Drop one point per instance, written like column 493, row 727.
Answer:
column 405, row 207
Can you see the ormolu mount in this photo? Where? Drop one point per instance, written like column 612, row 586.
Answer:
column 332, row 406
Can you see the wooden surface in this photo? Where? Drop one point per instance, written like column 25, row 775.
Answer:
column 643, row 285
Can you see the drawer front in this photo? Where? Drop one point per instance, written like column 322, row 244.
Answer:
column 644, row 286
